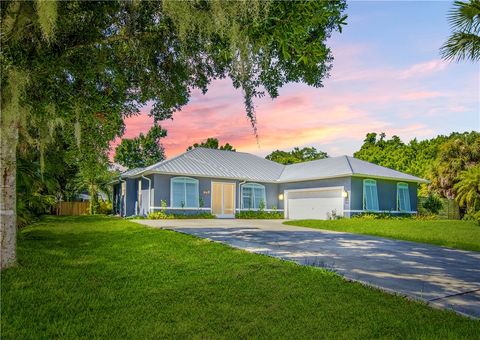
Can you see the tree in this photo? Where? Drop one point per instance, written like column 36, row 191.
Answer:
column 468, row 189
column 455, row 156
column 297, row 155
column 141, row 151
column 64, row 64
column 464, row 43
column 211, row 143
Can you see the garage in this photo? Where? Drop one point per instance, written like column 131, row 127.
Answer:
column 317, row 203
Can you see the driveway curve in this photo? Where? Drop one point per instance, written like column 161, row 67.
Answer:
column 443, row 277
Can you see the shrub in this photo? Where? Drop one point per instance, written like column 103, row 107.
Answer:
column 159, row 215
column 433, row 204
column 259, row 214
column 202, row 215
column 472, row 216
column 381, row 216
column 104, row 208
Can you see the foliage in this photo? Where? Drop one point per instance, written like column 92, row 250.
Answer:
column 75, row 65
column 457, row 234
column 381, row 216
column 159, row 215
column 439, row 159
column 472, row 215
column 196, row 215
column 105, row 208
column 259, row 214
column 185, row 287
column 432, row 204
column 162, row 215
column 211, row 143
column 456, row 155
column 464, row 43
column 297, row 155
column 141, row 151
column 468, row 188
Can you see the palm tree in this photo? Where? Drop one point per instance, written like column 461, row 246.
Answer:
column 468, row 188
column 464, row 43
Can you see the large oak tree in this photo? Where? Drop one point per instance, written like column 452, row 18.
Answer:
column 68, row 64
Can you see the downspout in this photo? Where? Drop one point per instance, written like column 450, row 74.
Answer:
column 149, row 191
column 125, row 197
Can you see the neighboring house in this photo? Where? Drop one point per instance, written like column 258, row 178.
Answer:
column 223, row 182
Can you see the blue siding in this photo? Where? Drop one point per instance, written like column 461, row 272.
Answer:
column 387, row 194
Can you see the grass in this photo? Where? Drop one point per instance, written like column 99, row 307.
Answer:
column 101, row 277
column 448, row 233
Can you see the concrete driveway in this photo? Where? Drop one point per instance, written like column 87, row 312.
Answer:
column 443, row 277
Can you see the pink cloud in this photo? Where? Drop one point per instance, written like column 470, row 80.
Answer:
column 424, row 68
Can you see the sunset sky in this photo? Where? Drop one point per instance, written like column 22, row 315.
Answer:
column 387, row 77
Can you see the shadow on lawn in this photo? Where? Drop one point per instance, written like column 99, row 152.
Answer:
column 416, row 270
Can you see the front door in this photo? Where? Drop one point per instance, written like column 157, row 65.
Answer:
column 223, row 199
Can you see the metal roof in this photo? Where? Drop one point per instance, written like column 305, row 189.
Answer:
column 220, row 163
column 244, row 166
column 341, row 166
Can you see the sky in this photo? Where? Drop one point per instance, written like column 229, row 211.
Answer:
column 387, row 77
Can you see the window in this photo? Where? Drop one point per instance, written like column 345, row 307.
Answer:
column 184, row 192
column 370, row 196
column 403, row 197
column 252, row 195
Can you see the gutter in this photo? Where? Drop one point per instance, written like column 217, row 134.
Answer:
column 149, row 192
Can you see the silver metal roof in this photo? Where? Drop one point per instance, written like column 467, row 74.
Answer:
column 244, row 166
column 220, row 163
column 341, row 166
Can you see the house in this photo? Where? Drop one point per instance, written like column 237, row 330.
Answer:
column 224, row 182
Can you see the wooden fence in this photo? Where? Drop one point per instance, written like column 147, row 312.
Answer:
column 449, row 211
column 72, row 208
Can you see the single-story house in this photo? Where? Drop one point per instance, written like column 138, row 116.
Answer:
column 225, row 182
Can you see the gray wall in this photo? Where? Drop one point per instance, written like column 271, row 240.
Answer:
column 387, row 194
column 161, row 183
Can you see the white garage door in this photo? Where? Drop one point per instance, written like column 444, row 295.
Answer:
column 314, row 203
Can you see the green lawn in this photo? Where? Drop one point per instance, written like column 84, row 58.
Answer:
column 449, row 233
column 100, row 277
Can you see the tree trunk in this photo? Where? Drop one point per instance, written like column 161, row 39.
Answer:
column 8, row 197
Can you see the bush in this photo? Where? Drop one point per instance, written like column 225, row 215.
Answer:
column 159, row 215
column 202, row 215
column 105, row 208
column 162, row 215
column 472, row 216
column 259, row 214
column 381, row 216
column 433, row 204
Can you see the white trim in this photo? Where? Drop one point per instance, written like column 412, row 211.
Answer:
column 370, row 182
column 198, row 191
column 241, row 195
column 178, row 208
column 181, row 174
column 381, row 211
column 234, row 199
column 286, row 192
column 398, row 195
column 238, row 209
column 149, row 192
column 124, row 196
